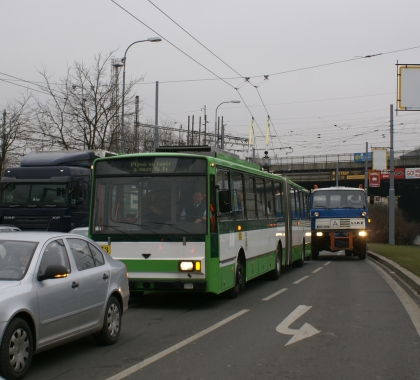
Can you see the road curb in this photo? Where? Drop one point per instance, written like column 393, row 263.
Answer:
column 406, row 275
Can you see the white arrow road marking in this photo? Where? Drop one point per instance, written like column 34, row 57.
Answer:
column 304, row 332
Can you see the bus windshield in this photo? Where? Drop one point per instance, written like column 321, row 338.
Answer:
column 131, row 205
column 339, row 199
column 22, row 194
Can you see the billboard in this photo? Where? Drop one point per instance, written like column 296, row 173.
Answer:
column 408, row 81
column 379, row 159
column 398, row 173
column 374, row 179
column 412, row 173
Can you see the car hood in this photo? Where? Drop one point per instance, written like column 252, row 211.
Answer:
column 8, row 284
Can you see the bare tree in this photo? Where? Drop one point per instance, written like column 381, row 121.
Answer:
column 82, row 110
column 15, row 131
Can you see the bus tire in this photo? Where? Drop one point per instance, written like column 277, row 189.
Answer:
column 299, row 263
column 275, row 273
column 239, row 280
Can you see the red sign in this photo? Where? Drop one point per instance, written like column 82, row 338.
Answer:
column 374, row 179
column 398, row 174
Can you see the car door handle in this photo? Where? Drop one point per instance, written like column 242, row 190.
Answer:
column 75, row 284
column 105, row 276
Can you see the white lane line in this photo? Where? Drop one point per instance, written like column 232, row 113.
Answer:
column 412, row 309
column 303, row 278
column 329, row 262
column 317, row 270
column 175, row 347
column 274, row 294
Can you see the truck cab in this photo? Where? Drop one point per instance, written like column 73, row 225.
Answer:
column 339, row 221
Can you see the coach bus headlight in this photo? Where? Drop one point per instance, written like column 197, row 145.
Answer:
column 362, row 233
column 189, row 266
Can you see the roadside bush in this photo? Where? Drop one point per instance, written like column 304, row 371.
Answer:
column 405, row 230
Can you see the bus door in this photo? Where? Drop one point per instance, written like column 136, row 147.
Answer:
column 287, row 221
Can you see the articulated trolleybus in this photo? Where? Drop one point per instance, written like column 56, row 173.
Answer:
column 247, row 222
column 339, row 220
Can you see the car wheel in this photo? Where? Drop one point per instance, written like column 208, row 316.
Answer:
column 112, row 323
column 16, row 350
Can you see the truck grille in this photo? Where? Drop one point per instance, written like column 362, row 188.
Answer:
column 345, row 223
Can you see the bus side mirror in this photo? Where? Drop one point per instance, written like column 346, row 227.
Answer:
column 224, row 201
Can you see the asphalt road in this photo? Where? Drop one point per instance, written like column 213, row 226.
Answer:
column 335, row 318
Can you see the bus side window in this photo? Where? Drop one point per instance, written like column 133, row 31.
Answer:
column 224, row 198
column 250, row 197
column 278, row 201
column 238, row 198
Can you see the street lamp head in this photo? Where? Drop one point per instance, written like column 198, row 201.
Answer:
column 235, row 101
column 154, row 39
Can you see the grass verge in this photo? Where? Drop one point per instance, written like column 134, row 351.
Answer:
column 408, row 256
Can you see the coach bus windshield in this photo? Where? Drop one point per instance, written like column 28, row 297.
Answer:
column 150, row 196
column 339, row 199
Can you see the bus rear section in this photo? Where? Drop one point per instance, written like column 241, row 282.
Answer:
column 339, row 221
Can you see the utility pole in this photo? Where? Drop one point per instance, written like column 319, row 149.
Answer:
column 391, row 198
column 3, row 131
column 136, row 125
column 156, row 140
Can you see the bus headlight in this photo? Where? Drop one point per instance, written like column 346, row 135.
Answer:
column 189, row 266
column 362, row 233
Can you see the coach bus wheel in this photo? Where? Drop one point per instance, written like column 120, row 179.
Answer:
column 275, row 273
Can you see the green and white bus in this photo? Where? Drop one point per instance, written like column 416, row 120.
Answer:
column 251, row 222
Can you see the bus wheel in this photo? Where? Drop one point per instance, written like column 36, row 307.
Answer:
column 275, row 273
column 239, row 281
column 299, row 263
column 360, row 249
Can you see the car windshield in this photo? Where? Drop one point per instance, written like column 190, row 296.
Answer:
column 339, row 199
column 15, row 257
column 34, row 193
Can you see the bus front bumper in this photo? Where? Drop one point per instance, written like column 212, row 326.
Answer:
column 141, row 285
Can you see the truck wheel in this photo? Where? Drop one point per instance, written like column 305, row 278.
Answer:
column 361, row 249
column 314, row 253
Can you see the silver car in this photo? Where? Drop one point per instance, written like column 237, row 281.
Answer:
column 55, row 288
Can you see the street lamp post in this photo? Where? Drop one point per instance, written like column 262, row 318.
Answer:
column 215, row 124
column 151, row 39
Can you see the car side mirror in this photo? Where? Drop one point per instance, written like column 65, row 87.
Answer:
column 53, row 271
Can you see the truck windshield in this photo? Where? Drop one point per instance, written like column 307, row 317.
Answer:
column 339, row 199
column 23, row 194
column 150, row 205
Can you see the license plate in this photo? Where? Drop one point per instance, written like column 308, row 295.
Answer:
column 106, row 248
column 188, row 286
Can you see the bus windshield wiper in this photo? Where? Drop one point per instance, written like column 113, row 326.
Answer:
column 172, row 225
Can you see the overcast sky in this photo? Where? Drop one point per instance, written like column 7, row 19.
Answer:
column 321, row 96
